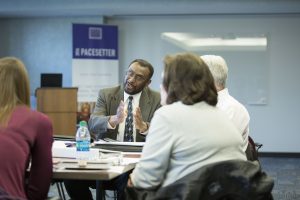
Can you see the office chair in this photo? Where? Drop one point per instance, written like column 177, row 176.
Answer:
column 53, row 198
column 225, row 180
column 60, row 190
column 252, row 153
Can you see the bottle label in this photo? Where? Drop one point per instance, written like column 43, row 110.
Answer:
column 83, row 145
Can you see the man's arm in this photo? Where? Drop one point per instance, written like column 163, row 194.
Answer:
column 145, row 112
column 102, row 119
column 116, row 119
column 98, row 120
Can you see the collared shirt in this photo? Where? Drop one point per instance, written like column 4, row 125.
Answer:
column 236, row 112
column 135, row 104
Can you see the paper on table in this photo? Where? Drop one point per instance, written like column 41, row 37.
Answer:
column 127, row 161
column 139, row 144
column 70, row 152
column 58, row 144
column 88, row 166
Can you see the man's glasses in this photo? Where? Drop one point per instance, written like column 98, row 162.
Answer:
column 137, row 77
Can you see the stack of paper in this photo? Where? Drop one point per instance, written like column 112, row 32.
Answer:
column 60, row 150
column 120, row 146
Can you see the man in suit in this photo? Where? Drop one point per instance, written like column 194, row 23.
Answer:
column 108, row 120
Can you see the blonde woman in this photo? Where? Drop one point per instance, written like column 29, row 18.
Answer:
column 25, row 137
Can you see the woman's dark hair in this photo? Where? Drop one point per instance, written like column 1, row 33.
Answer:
column 187, row 79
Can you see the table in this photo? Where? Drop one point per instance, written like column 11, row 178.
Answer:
column 64, row 158
column 60, row 172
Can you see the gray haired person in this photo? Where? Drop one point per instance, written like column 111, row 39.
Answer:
column 234, row 109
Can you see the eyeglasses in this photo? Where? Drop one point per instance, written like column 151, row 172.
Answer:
column 137, row 77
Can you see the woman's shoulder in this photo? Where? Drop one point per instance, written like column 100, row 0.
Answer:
column 41, row 118
column 170, row 109
column 30, row 123
column 27, row 115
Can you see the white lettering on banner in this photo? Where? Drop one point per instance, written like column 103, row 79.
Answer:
column 97, row 52
column 77, row 52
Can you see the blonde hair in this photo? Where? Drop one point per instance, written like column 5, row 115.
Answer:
column 14, row 87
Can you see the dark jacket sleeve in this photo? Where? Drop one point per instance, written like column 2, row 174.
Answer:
column 106, row 105
column 234, row 180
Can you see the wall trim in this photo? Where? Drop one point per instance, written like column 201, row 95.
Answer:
column 279, row 154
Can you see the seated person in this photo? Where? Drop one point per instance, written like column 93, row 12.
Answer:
column 234, row 109
column 109, row 117
column 188, row 132
column 25, row 136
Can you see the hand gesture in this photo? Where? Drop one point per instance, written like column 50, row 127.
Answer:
column 119, row 117
column 138, row 120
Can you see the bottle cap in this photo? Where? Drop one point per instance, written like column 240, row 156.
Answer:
column 83, row 123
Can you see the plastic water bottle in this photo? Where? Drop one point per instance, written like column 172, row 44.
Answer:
column 83, row 139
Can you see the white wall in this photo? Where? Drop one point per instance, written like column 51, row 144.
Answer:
column 45, row 45
column 274, row 124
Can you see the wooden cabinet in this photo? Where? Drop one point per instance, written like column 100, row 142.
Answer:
column 60, row 105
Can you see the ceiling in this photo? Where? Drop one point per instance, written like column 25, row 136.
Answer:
column 45, row 8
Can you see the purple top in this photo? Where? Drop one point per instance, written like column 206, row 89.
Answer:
column 28, row 135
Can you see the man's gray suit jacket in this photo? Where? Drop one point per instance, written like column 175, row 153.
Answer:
column 107, row 104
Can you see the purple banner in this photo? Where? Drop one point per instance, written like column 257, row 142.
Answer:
column 95, row 41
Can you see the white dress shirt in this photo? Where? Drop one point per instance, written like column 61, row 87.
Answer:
column 236, row 112
column 135, row 104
